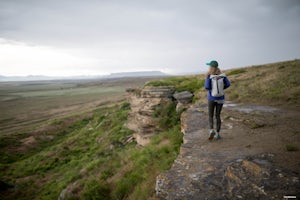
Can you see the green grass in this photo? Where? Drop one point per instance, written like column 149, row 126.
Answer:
column 92, row 159
column 166, row 116
column 276, row 83
column 189, row 83
column 62, row 127
column 139, row 181
column 290, row 147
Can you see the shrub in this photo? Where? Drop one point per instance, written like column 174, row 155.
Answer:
column 126, row 185
column 94, row 190
column 105, row 174
column 290, row 147
column 166, row 116
column 125, row 106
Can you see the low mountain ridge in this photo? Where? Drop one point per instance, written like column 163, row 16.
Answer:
column 83, row 77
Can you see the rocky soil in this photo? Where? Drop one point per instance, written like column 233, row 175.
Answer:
column 251, row 160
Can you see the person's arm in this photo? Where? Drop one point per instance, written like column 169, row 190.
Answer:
column 207, row 84
column 227, row 83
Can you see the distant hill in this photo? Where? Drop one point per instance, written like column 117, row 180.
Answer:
column 26, row 78
column 137, row 74
column 112, row 75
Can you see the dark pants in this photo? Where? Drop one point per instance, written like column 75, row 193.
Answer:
column 212, row 106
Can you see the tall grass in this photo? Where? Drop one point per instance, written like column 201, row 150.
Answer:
column 189, row 83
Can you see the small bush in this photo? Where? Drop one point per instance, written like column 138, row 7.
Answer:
column 290, row 147
column 126, row 185
column 95, row 190
column 176, row 138
column 125, row 106
column 105, row 174
column 80, row 124
column 166, row 116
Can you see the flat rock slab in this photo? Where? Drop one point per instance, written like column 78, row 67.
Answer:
column 183, row 95
column 215, row 170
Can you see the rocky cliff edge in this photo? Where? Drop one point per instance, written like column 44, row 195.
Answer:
column 242, row 165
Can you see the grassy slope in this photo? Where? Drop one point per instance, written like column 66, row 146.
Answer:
column 93, row 155
column 272, row 84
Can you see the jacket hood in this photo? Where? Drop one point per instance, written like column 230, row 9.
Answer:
column 222, row 75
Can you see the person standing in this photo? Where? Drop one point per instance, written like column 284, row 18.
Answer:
column 215, row 83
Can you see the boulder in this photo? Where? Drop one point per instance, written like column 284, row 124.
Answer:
column 184, row 99
column 157, row 92
column 184, row 96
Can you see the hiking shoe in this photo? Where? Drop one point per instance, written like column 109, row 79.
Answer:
column 211, row 134
column 218, row 136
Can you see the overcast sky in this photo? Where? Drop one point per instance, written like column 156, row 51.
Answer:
column 75, row 37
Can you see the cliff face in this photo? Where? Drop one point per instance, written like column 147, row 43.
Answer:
column 143, row 104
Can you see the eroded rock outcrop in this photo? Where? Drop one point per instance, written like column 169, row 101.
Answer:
column 143, row 104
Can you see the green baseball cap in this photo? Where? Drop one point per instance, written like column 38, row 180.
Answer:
column 213, row 63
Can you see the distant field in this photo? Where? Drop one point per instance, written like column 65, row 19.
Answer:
column 76, row 91
column 24, row 105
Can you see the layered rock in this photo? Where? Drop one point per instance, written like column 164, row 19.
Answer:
column 143, row 104
column 184, row 99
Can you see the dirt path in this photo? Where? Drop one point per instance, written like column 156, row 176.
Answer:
column 249, row 162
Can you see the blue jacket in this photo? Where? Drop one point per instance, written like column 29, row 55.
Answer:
column 209, row 88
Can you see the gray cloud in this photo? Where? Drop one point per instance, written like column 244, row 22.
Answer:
column 177, row 34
